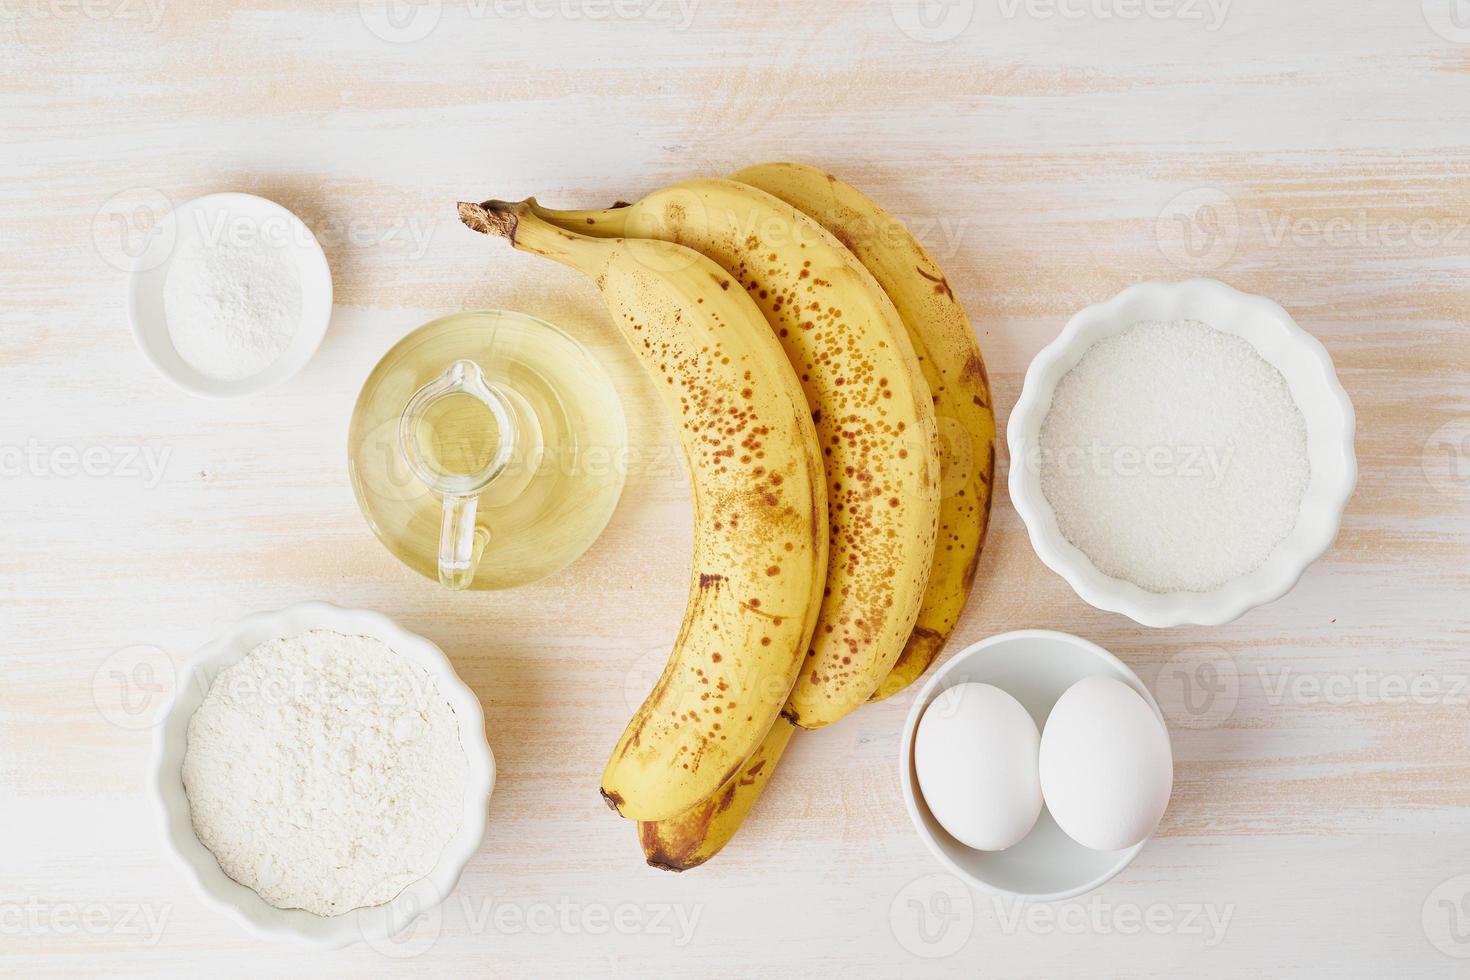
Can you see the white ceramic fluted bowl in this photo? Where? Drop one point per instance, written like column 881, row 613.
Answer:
column 1307, row 368
column 370, row 924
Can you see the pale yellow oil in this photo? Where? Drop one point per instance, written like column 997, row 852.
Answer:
column 566, row 472
column 458, row 435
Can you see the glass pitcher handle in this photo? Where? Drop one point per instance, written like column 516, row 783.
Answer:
column 461, row 540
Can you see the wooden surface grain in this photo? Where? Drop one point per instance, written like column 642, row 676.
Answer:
column 1048, row 153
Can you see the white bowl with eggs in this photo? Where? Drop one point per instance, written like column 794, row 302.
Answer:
column 1036, row 668
column 1307, row 370
column 375, row 924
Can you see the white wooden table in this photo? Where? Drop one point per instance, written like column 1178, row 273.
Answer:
column 1049, row 153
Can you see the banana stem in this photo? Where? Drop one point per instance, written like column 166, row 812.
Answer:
column 521, row 224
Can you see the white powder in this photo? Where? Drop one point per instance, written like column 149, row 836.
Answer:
column 232, row 308
column 325, row 772
column 1174, row 457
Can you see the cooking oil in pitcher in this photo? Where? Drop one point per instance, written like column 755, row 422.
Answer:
column 486, row 450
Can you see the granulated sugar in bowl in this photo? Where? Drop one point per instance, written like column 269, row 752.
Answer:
column 1181, row 452
column 1174, row 457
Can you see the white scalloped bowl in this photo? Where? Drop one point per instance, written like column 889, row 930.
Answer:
column 371, row 924
column 1307, row 368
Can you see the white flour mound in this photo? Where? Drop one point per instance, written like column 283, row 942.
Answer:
column 325, row 772
column 231, row 308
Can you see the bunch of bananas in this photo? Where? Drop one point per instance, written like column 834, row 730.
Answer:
column 835, row 416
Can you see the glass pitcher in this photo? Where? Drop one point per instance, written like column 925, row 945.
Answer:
column 487, row 450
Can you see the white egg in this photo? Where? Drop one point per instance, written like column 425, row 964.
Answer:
column 1106, row 767
column 975, row 758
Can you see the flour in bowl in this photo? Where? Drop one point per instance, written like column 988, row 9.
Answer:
column 325, row 772
column 1174, row 457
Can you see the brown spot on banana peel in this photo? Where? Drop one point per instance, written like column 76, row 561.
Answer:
column 941, row 284
column 987, row 477
column 674, row 845
column 613, row 800
column 677, row 854
column 975, row 375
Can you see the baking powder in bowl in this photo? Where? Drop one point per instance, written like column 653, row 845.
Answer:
column 1174, row 457
column 325, row 772
column 232, row 306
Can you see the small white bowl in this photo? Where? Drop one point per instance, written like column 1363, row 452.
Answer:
column 371, row 924
column 1307, row 369
column 1035, row 667
column 228, row 215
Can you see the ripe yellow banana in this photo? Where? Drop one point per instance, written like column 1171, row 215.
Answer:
column 945, row 343
column 950, row 357
column 875, row 421
column 759, row 507
column 692, row 838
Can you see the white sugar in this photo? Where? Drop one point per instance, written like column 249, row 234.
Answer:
column 1174, row 457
